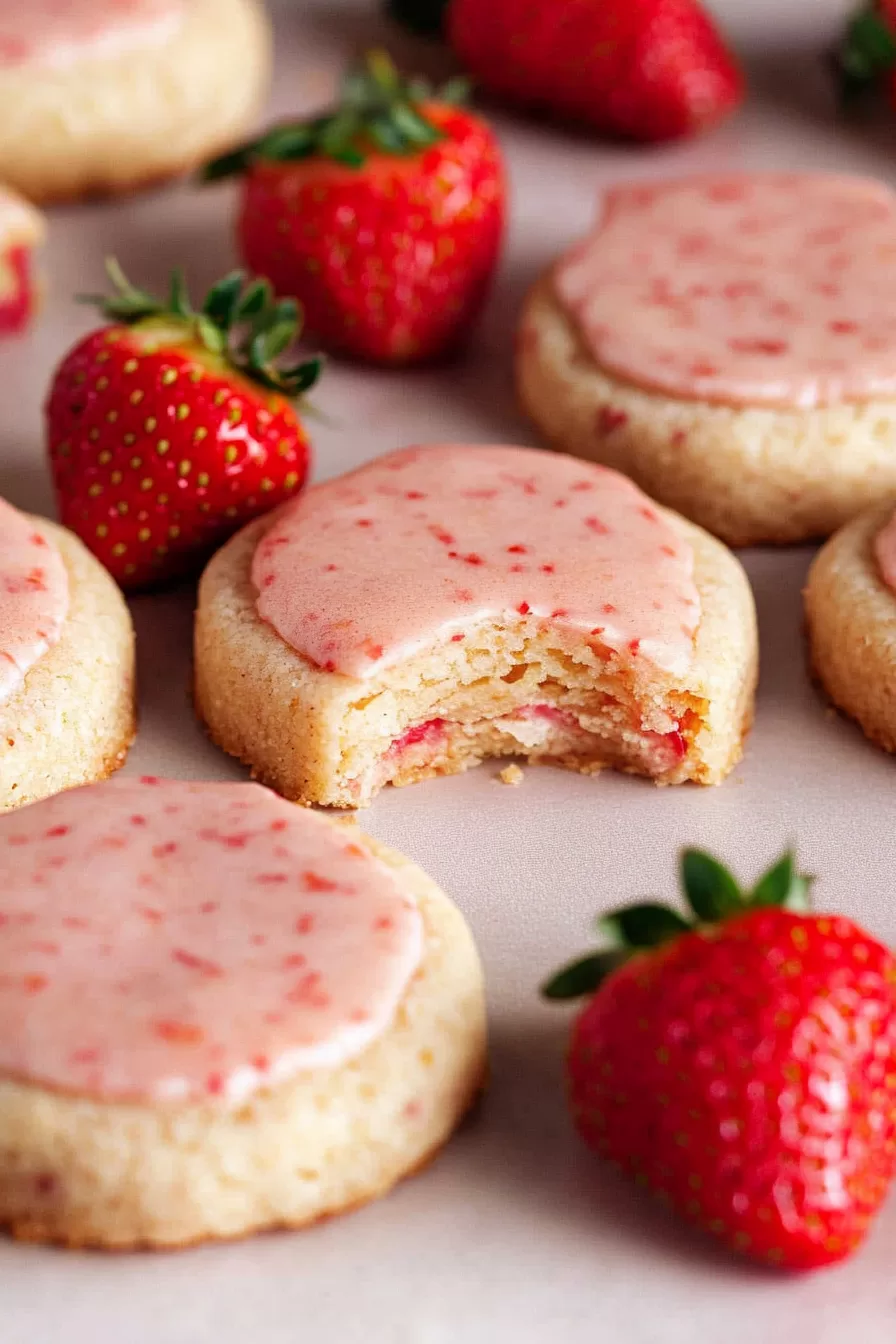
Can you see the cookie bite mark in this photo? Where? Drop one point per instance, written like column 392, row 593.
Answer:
column 198, row 1004
column 575, row 637
column 21, row 234
column 721, row 290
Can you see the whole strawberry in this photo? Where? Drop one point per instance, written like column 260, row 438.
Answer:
column 644, row 69
column 383, row 217
column 742, row 1064
column 170, row 428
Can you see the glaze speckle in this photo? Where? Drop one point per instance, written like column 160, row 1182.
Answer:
column 362, row 572
column 765, row 290
column 164, row 941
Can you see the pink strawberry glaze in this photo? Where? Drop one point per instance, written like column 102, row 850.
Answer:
column 773, row 290
column 33, row 597
column 61, row 32
column 364, row 571
column 885, row 553
column 165, row 941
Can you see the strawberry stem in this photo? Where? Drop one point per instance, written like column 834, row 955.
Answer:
column 713, row 895
column 379, row 112
column 242, row 322
column 866, row 54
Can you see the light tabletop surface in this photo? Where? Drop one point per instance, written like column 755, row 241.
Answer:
column 516, row 1233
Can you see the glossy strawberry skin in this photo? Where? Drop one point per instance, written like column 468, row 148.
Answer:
column 158, row 455
column 747, row 1075
column 391, row 261
column 644, row 69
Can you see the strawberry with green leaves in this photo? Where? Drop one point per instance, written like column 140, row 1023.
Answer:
column 383, row 217
column 171, row 427
column 644, row 69
column 740, row 1062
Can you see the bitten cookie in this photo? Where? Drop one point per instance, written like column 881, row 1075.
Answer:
column 730, row 344
column 98, row 96
column 219, row 1014
column 67, row 711
column 851, row 621
column 448, row 603
column 21, row 234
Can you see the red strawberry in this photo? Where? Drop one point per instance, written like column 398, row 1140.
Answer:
column 742, row 1067
column 170, row 429
column 384, row 217
column 645, row 69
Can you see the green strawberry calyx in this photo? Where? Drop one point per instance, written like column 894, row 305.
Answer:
column 379, row 113
column 713, row 895
column 240, row 323
column 867, row 52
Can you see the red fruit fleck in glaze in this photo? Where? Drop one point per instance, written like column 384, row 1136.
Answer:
column 183, row 998
column 610, row 418
column 742, row 1066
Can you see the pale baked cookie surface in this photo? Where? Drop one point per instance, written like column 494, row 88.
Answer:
column 97, row 96
column 21, row 234
column 67, row 701
column 448, row 603
column 851, row 622
column 219, row 1013
column 730, row 344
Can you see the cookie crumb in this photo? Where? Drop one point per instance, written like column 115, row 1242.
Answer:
column 512, row 775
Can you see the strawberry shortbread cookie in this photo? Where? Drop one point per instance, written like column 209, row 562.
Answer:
column 851, row 621
column 729, row 343
column 103, row 95
column 219, row 1013
column 66, row 663
column 448, row 603
column 21, row 233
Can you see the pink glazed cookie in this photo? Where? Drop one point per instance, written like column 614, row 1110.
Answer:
column 21, row 233
column 447, row 603
column 219, row 1013
column 851, row 621
column 729, row 343
column 104, row 95
column 66, row 663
